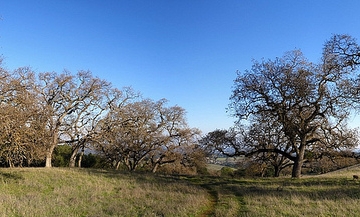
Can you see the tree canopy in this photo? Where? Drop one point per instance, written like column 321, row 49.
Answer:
column 41, row 111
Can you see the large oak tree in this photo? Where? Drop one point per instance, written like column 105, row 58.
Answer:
column 71, row 103
column 310, row 102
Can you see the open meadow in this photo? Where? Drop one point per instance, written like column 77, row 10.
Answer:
column 86, row 192
column 89, row 192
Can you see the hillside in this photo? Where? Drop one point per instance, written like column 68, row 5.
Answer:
column 346, row 172
column 88, row 192
column 85, row 192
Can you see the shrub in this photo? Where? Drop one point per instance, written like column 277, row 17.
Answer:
column 93, row 161
column 202, row 171
column 227, row 171
column 62, row 154
column 240, row 173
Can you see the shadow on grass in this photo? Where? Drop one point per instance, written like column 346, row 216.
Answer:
column 10, row 177
column 217, row 186
column 318, row 188
column 315, row 189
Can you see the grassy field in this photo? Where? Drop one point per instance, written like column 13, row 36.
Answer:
column 86, row 192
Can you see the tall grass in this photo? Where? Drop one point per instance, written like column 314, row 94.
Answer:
column 336, row 195
column 87, row 192
column 74, row 192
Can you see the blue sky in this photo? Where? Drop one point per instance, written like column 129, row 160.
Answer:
column 187, row 51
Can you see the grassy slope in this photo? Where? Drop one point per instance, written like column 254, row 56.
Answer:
column 74, row 192
column 333, row 194
column 81, row 192
column 285, row 197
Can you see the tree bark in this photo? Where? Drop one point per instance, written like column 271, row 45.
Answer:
column 277, row 171
column 50, row 151
column 296, row 171
column 154, row 169
column 72, row 160
column 117, row 165
column 298, row 163
column 49, row 156
column 11, row 164
column 80, row 158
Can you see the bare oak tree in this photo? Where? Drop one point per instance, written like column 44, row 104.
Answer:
column 22, row 129
column 139, row 133
column 309, row 101
column 70, row 102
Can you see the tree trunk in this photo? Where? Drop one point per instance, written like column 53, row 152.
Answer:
column 276, row 171
column 117, row 165
column 80, row 157
column 51, row 149
column 298, row 163
column 263, row 171
column 72, row 160
column 11, row 164
column 154, row 169
column 49, row 156
column 296, row 171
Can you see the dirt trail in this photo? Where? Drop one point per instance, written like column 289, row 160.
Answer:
column 214, row 199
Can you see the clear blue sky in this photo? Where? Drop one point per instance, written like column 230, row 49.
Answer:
column 186, row 51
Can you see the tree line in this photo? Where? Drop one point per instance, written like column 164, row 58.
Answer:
column 291, row 111
column 40, row 112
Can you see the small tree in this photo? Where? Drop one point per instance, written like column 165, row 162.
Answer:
column 143, row 133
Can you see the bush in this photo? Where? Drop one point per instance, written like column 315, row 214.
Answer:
column 240, row 173
column 202, row 171
column 227, row 171
column 62, row 154
column 92, row 160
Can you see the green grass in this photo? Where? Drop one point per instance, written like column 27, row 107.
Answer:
column 88, row 192
column 84, row 192
column 332, row 195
